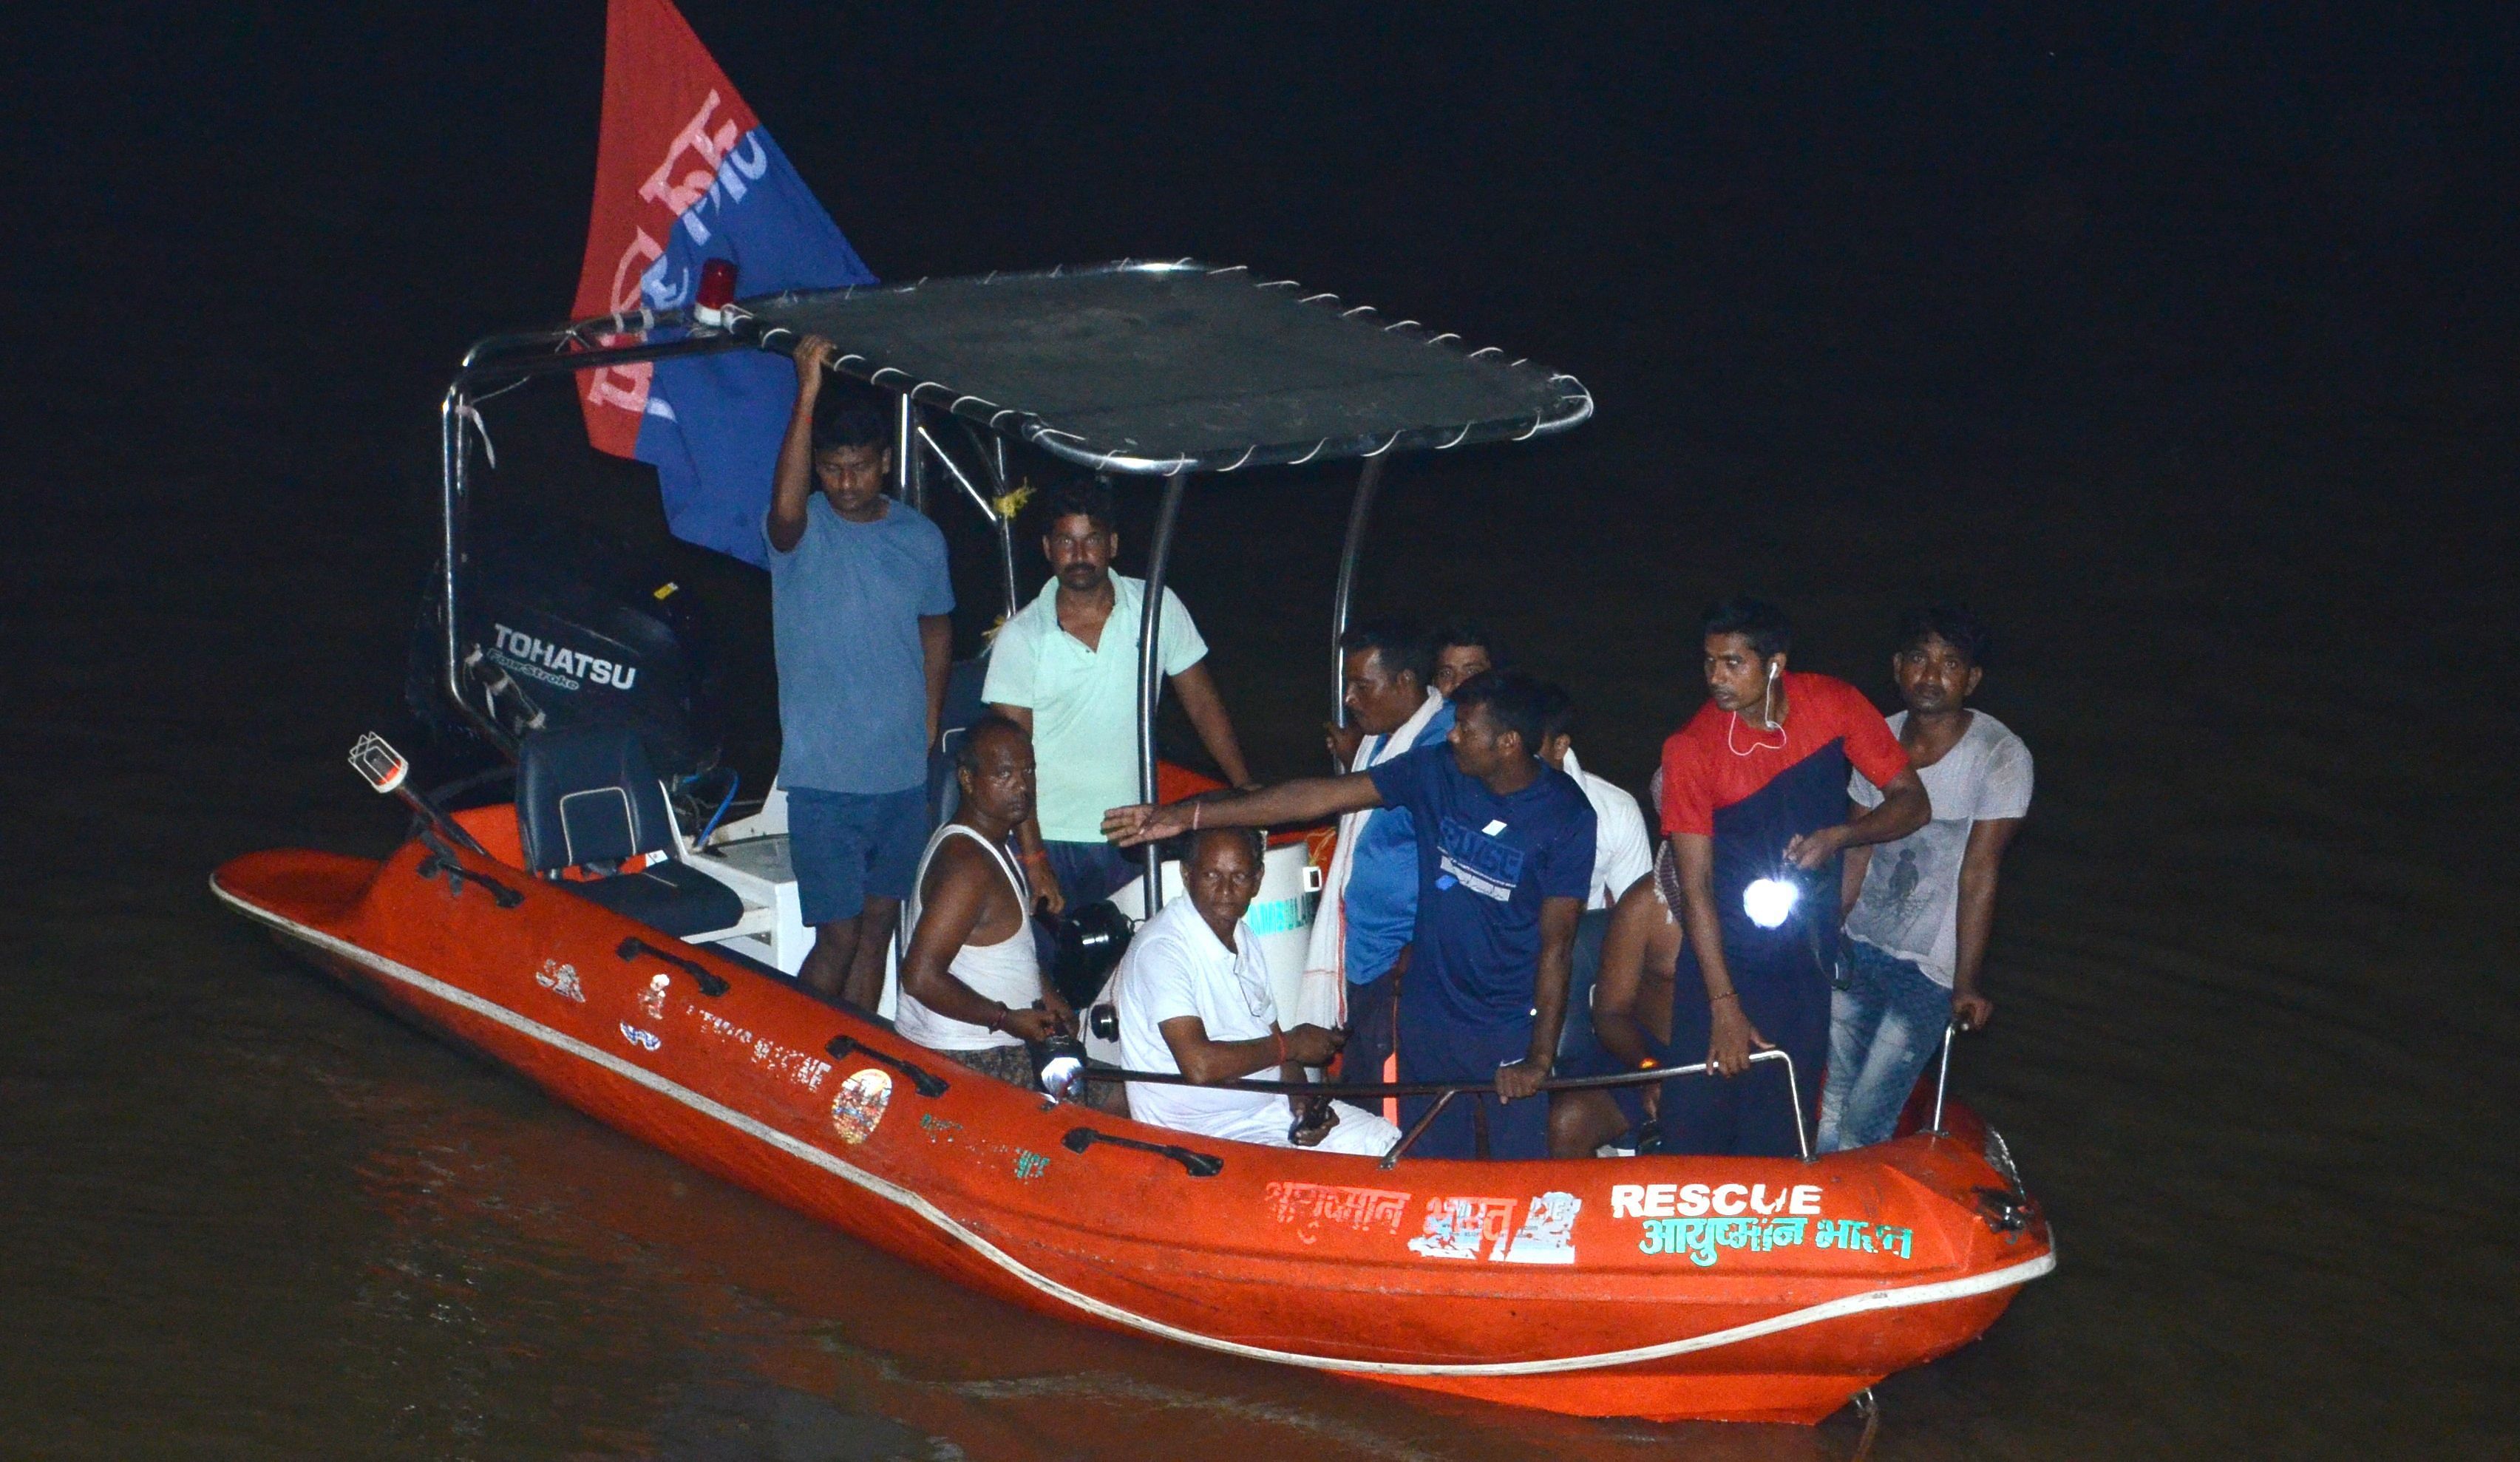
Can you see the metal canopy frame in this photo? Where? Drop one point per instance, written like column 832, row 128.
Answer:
column 767, row 322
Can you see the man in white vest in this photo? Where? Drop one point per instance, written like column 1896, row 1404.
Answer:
column 972, row 984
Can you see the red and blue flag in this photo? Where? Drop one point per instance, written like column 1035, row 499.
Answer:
column 686, row 173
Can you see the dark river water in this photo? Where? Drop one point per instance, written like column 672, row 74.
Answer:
column 2182, row 348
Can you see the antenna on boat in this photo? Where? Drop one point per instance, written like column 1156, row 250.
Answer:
column 389, row 771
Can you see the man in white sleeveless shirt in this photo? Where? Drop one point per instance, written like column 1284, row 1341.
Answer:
column 1196, row 1000
column 972, row 984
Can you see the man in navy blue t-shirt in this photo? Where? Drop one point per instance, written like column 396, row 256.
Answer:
column 1505, row 861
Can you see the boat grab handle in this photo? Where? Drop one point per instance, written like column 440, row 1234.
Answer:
column 457, row 875
column 710, row 982
column 1199, row 1163
column 928, row 1082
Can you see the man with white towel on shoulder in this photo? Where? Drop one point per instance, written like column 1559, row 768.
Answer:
column 1368, row 910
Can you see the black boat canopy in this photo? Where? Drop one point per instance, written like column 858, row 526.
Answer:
column 1176, row 366
column 1166, row 369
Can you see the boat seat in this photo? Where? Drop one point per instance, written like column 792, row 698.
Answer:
column 671, row 898
column 588, row 799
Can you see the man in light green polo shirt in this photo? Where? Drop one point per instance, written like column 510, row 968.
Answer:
column 1065, row 668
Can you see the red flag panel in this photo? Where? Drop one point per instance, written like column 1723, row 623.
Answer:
column 670, row 116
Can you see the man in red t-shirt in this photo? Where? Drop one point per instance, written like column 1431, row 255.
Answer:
column 1754, row 800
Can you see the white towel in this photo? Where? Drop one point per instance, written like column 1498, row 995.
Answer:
column 1321, row 997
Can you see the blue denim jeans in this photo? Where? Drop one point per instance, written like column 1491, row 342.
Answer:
column 1882, row 1030
column 1087, row 872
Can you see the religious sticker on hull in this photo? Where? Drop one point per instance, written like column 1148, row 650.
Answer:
column 858, row 1106
column 560, row 980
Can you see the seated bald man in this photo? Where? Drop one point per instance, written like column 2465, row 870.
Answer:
column 1196, row 1000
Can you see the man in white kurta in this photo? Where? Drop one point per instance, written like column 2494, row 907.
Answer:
column 1621, row 855
column 1194, row 998
column 1621, row 852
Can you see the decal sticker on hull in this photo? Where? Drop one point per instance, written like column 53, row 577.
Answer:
column 1310, row 1205
column 945, row 1132
column 1548, row 1232
column 645, row 1040
column 808, row 1072
column 653, row 998
column 1460, row 1227
column 560, row 980
column 1467, row 1227
column 858, row 1106
column 1701, row 1238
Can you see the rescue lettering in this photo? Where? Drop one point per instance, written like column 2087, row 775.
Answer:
column 1697, row 1200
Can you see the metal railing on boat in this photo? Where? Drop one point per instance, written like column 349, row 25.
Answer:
column 1943, row 1077
column 1445, row 1092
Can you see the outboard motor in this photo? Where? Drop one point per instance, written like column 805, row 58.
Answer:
column 555, row 636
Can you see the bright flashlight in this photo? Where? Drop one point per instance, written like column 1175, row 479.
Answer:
column 1769, row 901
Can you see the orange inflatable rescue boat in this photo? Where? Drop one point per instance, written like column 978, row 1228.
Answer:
column 1657, row 1287
column 1735, row 1289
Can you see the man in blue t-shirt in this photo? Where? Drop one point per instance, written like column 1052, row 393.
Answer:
column 1359, row 946
column 1505, row 858
column 860, row 611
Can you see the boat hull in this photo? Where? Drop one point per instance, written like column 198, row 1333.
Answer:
column 1667, row 1288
